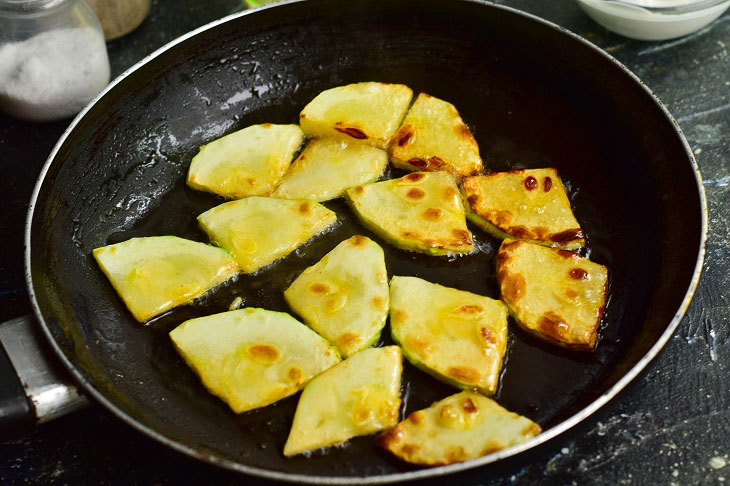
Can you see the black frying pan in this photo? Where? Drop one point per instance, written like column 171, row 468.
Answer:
column 534, row 96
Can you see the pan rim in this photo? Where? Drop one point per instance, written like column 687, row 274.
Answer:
column 542, row 438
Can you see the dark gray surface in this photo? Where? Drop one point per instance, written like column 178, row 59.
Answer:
column 671, row 425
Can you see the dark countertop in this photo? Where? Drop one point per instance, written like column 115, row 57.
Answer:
column 671, row 426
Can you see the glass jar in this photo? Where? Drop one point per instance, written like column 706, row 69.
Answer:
column 53, row 58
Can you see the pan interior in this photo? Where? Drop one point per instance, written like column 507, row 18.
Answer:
column 533, row 97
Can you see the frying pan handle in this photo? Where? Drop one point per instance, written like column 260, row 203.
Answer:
column 32, row 389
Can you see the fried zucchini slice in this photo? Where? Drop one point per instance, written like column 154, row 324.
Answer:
column 359, row 396
column 420, row 212
column 458, row 337
column 249, row 162
column 456, row 429
column 364, row 112
column 526, row 204
column 434, row 137
column 344, row 296
column 554, row 294
column 250, row 358
column 154, row 274
column 260, row 230
column 328, row 166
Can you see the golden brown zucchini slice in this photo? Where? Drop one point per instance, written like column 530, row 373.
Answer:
column 154, row 274
column 456, row 336
column 456, row 429
column 260, row 230
column 249, row 162
column 364, row 112
column 420, row 212
column 328, row 166
column 526, row 204
column 554, row 294
column 434, row 137
column 344, row 296
column 359, row 396
column 251, row 357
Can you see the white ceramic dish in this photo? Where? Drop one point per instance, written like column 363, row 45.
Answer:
column 654, row 19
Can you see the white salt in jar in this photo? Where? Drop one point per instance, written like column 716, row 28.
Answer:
column 53, row 58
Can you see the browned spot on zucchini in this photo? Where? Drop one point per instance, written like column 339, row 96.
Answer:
column 511, row 245
column 416, row 417
column 513, row 287
column 415, row 177
column 449, row 193
column 378, row 302
column 305, row 207
column 391, row 436
column 470, row 309
column 264, row 353
column 540, row 232
column 571, row 294
column 578, row 274
column 519, row 231
column 553, row 326
column 455, row 454
column 359, row 189
column 472, row 200
column 468, row 406
column 464, row 132
column 567, row 236
column 358, row 240
column 410, row 449
column 530, row 183
column 462, row 373
column 266, row 125
column 567, row 254
column 415, row 193
column 295, row 374
column 399, row 315
column 502, row 217
column 318, row 288
column 347, row 339
column 432, row 214
column 420, row 345
column 488, row 336
column 416, row 162
column 547, row 184
column 436, row 161
column 251, row 181
column 405, row 135
column 352, row 132
column 462, row 235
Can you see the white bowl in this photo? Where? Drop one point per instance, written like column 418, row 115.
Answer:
column 654, row 19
